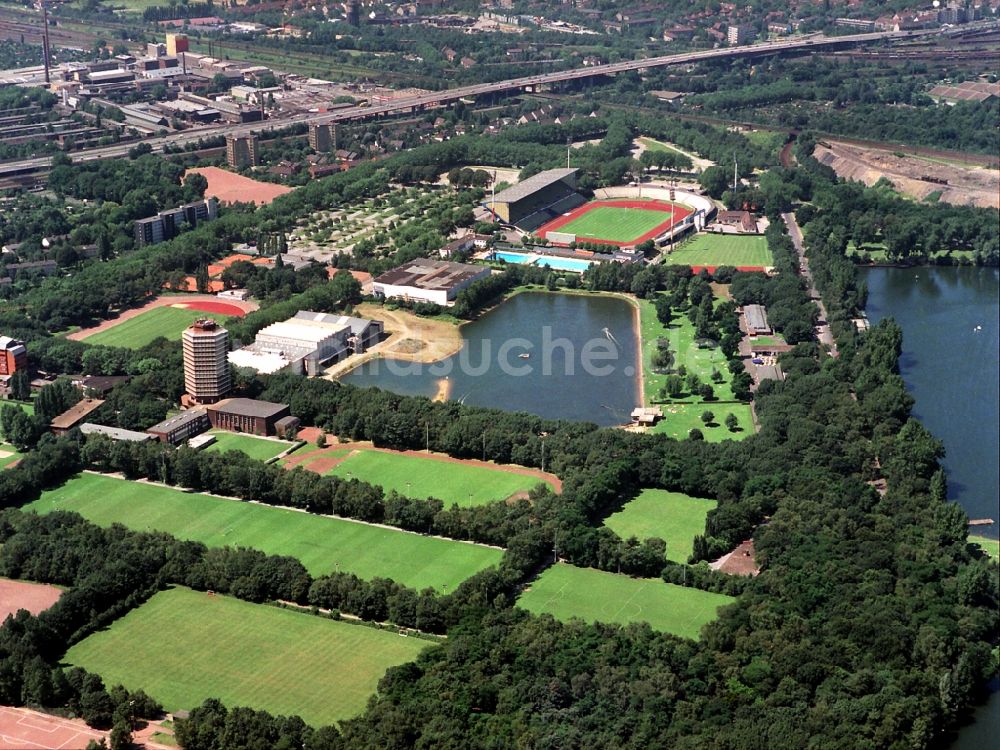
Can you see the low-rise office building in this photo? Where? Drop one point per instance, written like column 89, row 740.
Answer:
column 75, row 415
column 756, row 320
column 116, row 433
column 181, row 427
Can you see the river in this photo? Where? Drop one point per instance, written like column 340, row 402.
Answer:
column 580, row 364
column 951, row 338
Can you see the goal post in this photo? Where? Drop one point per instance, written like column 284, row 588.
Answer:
column 560, row 238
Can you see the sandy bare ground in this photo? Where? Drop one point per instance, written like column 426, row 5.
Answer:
column 321, row 460
column 166, row 301
column 230, row 187
column 34, row 597
column 967, row 185
column 410, row 338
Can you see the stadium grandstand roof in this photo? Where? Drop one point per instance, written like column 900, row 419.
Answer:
column 533, row 184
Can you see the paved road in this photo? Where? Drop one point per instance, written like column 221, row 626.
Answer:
column 435, row 98
column 823, row 332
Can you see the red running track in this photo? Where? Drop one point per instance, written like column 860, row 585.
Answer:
column 677, row 211
column 218, row 308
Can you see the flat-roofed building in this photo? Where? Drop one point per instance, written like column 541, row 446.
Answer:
column 425, row 280
column 13, row 355
column 168, row 224
column 206, row 371
column 241, row 151
column 303, row 343
column 177, row 43
column 739, row 33
column 75, row 415
column 116, row 433
column 181, row 427
column 246, row 415
column 756, row 320
column 363, row 334
column 323, row 136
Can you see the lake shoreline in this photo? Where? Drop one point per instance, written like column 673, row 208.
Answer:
column 538, row 350
column 433, row 356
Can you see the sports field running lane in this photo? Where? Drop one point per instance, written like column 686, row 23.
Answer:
column 675, row 214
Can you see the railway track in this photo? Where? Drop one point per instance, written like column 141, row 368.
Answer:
column 984, row 160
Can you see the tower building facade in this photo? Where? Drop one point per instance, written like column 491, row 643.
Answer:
column 206, row 370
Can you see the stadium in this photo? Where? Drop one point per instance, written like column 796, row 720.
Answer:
column 548, row 205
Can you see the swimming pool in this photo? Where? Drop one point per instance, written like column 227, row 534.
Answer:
column 553, row 262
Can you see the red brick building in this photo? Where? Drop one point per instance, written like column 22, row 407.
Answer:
column 246, row 415
column 13, row 355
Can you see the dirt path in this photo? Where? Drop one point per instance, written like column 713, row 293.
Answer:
column 823, row 332
column 699, row 163
column 321, row 461
column 411, row 338
column 207, row 301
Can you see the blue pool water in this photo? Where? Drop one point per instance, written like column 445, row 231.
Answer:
column 557, row 264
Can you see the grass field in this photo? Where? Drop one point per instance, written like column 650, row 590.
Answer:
column 323, row 544
column 672, row 516
column 990, row 546
column 654, row 145
column 8, row 454
column 722, row 250
column 136, row 332
column 413, row 476
column 184, row 646
column 681, row 337
column 684, row 413
column 615, row 224
column 680, row 419
column 256, row 447
column 565, row 591
column 28, row 407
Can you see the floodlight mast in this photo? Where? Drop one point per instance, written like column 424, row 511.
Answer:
column 45, row 40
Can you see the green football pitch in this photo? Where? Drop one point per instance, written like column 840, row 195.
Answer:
column 323, row 544
column 672, row 516
column 615, row 224
column 255, row 447
column 463, row 484
column 565, row 591
column 136, row 332
column 722, row 250
column 184, row 646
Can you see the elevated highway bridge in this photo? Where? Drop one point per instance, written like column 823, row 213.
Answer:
column 24, row 167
